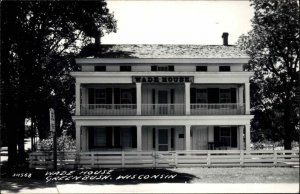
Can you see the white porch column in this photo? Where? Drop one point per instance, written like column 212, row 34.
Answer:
column 188, row 137
column 241, row 95
column 241, row 133
column 77, row 98
column 247, row 135
column 247, row 98
column 187, row 98
column 138, row 98
column 78, row 138
column 139, row 137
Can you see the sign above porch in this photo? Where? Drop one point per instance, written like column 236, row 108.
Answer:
column 162, row 79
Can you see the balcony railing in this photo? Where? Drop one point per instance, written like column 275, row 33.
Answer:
column 108, row 109
column 163, row 109
column 217, row 109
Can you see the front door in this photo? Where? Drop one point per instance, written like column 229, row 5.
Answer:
column 163, row 140
column 163, row 102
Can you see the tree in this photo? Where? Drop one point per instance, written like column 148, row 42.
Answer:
column 39, row 40
column 273, row 47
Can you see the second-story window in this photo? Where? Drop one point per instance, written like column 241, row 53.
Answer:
column 224, row 68
column 126, row 96
column 201, row 96
column 125, row 68
column 162, row 68
column 100, row 68
column 201, row 68
column 225, row 96
column 100, row 96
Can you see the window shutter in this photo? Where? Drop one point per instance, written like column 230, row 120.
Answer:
column 172, row 96
column 134, row 136
column 133, row 95
column 233, row 137
column 91, row 137
column 108, row 137
column 117, row 136
column 172, row 137
column 153, row 96
column 91, row 92
column 117, row 95
column 216, row 136
column 153, row 138
column 171, row 68
column 213, row 95
column 193, row 96
column 153, row 68
column 233, row 95
column 108, row 95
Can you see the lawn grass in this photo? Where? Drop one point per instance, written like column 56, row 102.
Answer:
column 242, row 175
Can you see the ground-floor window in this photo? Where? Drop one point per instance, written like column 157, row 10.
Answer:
column 225, row 136
column 112, row 137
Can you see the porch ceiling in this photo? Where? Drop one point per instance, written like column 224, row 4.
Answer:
column 162, row 120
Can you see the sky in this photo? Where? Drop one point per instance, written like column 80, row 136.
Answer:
column 178, row 22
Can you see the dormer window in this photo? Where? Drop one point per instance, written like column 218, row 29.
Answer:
column 100, row 68
column 224, row 68
column 125, row 68
column 201, row 68
column 162, row 68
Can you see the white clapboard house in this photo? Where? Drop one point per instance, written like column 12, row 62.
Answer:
column 164, row 98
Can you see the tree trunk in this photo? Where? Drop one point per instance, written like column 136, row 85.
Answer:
column 287, row 126
column 20, row 122
column 12, row 138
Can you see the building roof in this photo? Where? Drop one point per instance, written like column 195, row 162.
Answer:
column 172, row 51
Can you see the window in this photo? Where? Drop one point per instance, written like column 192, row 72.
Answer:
column 100, row 96
column 100, row 68
column 125, row 68
column 224, row 68
column 201, row 96
column 125, row 96
column 162, row 68
column 201, row 68
column 225, row 96
column 100, row 136
column 225, row 134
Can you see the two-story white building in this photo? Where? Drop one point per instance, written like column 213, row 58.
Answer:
column 163, row 98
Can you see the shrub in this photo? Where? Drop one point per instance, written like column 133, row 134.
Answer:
column 64, row 143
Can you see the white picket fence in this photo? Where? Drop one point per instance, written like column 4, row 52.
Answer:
column 165, row 159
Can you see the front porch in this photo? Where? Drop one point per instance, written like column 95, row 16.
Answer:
column 162, row 138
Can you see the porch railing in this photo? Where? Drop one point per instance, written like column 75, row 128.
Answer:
column 108, row 109
column 163, row 109
column 217, row 109
column 159, row 159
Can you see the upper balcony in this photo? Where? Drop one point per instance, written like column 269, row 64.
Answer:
column 161, row 109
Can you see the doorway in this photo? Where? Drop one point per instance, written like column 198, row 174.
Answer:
column 163, row 101
column 163, row 139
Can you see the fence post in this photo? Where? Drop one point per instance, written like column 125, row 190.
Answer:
column 175, row 158
column 154, row 159
column 208, row 158
column 275, row 157
column 123, row 159
column 241, row 157
column 92, row 159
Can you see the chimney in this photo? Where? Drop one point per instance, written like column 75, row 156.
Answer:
column 225, row 38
